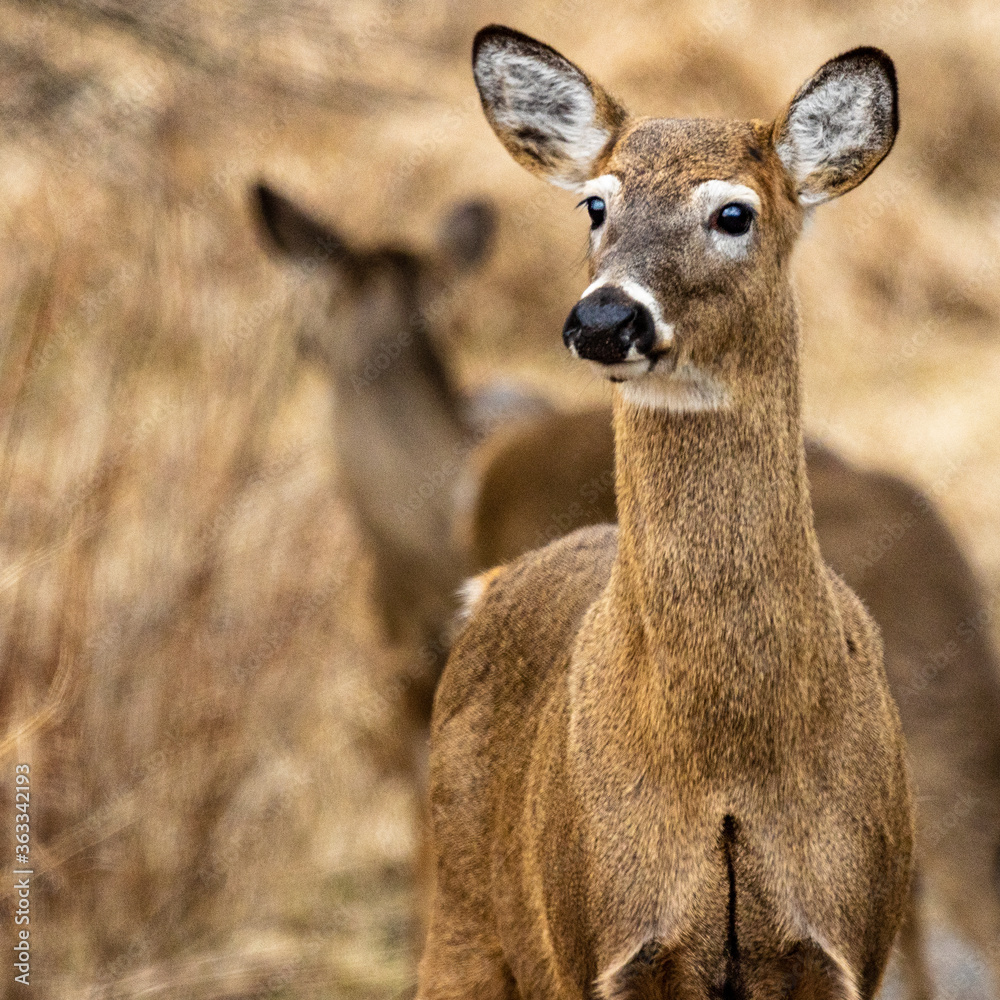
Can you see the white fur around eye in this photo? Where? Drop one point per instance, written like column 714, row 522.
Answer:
column 708, row 197
column 605, row 187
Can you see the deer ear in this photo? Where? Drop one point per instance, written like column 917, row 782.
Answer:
column 466, row 234
column 549, row 115
column 840, row 125
column 292, row 232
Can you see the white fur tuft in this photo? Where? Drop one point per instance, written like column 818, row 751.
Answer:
column 469, row 595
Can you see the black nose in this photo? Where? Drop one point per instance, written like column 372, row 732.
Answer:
column 606, row 324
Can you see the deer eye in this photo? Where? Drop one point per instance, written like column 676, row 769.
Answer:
column 734, row 218
column 596, row 209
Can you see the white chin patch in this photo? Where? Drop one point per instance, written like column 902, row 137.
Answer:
column 687, row 389
column 630, row 368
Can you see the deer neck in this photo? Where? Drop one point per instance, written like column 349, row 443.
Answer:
column 716, row 540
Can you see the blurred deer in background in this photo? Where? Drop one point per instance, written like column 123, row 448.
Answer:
column 402, row 431
column 889, row 543
column 664, row 757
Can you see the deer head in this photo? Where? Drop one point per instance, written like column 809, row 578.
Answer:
column 385, row 297
column 691, row 221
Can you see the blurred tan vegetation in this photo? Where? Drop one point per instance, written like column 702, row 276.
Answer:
column 188, row 659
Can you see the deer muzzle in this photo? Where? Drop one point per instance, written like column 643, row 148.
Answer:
column 610, row 327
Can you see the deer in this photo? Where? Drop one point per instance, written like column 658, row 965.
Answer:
column 664, row 756
column 398, row 421
column 541, row 474
column 891, row 545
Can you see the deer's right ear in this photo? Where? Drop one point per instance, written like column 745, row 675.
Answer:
column 467, row 233
column 292, row 232
column 549, row 115
column 840, row 125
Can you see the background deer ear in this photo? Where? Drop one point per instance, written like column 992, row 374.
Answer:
column 292, row 232
column 466, row 234
column 840, row 125
column 549, row 115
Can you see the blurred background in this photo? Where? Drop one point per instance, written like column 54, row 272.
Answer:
column 189, row 657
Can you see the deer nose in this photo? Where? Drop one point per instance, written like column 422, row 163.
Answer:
column 609, row 326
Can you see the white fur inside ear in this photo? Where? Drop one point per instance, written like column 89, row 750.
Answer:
column 837, row 119
column 549, row 105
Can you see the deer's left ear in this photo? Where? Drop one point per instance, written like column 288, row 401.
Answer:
column 294, row 233
column 552, row 118
column 840, row 125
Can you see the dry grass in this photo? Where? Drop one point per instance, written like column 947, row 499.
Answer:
column 187, row 657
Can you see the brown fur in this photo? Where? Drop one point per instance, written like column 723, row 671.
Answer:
column 542, row 478
column 550, row 476
column 677, row 732
column 547, row 477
